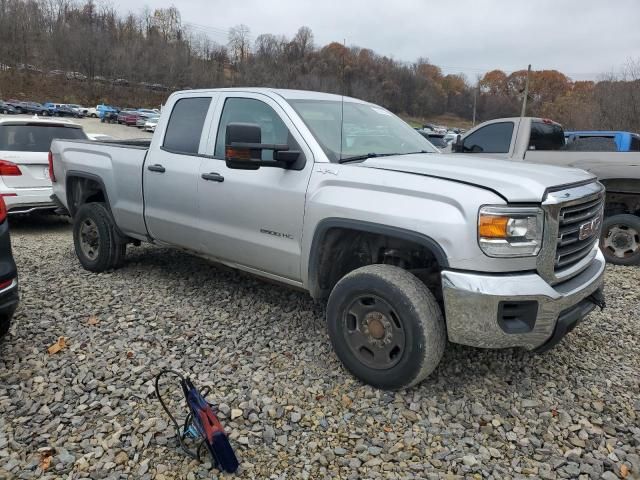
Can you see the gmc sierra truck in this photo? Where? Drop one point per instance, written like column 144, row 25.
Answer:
column 539, row 140
column 341, row 198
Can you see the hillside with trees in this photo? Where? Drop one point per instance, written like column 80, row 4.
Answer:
column 156, row 47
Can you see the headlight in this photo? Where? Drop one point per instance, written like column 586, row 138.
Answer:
column 510, row 231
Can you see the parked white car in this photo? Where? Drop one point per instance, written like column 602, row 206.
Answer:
column 25, row 182
column 151, row 123
column 92, row 112
column 79, row 109
column 99, row 137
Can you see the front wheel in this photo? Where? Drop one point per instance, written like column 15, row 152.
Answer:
column 620, row 240
column 96, row 242
column 386, row 326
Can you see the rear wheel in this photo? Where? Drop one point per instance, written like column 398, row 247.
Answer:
column 96, row 242
column 386, row 326
column 620, row 240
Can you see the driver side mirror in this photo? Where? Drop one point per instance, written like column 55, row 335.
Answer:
column 243, row 149
column 458, row 145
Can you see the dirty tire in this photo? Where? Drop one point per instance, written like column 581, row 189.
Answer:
column 414, row 313
column 109, row 251
column 629, row 227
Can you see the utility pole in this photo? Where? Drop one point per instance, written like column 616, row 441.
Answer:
column 475, row 101
column 526, row 93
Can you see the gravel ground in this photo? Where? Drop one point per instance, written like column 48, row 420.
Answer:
column 89, row 411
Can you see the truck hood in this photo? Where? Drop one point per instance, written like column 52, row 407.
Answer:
column 515, row 181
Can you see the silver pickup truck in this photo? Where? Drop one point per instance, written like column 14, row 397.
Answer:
column 343, row 199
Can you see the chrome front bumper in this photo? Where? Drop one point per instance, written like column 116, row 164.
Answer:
column 472, row 302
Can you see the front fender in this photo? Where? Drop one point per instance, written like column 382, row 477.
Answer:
column 440, row 214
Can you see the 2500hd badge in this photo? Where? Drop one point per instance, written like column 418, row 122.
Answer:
column 276, row 234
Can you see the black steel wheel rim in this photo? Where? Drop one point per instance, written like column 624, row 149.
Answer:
column 374, row 332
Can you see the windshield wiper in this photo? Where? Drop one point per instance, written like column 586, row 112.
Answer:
column 376, row 155
column 413, row 153
column 355, row 158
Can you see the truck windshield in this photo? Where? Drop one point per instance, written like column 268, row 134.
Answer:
column 366, row 129
column 34, row 137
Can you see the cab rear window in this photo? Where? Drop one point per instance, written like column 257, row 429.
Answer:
column 593, row 144
column 546, row 136
column 35, row 138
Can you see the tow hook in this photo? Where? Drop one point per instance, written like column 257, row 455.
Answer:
column 597, row 298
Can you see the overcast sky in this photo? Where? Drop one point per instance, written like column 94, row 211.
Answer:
column 581, row 38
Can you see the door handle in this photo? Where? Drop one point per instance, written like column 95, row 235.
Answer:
column 156, row 168
column 213, row 177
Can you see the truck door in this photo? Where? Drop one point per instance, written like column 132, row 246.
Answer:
column 494, row 139
column 254, row 218
column 172, row 172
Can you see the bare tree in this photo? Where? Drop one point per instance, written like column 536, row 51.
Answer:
column 239, row 43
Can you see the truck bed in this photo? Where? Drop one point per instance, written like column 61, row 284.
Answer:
column 117, row 165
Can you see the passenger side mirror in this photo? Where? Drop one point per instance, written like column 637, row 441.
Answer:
column 243, row 149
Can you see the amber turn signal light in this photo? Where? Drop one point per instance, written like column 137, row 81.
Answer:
column 232, row 153
column 492, row 226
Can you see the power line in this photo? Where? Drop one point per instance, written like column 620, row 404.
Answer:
column 214, row 31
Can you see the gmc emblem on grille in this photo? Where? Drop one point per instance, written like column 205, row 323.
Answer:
column 589, row 228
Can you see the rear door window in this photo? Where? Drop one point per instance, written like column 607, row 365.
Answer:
column 185, row 125
column 546, row 136
column 494, row 138
column 34, row 137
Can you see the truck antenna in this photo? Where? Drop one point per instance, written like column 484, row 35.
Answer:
column 344, row 53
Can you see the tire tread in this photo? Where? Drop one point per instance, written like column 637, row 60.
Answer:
column 114, row 249
column 417, row 296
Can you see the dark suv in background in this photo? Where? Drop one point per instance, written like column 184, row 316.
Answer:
column 8, row 274
column 7, row 108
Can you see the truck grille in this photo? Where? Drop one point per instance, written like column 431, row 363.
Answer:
column 571, row 249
